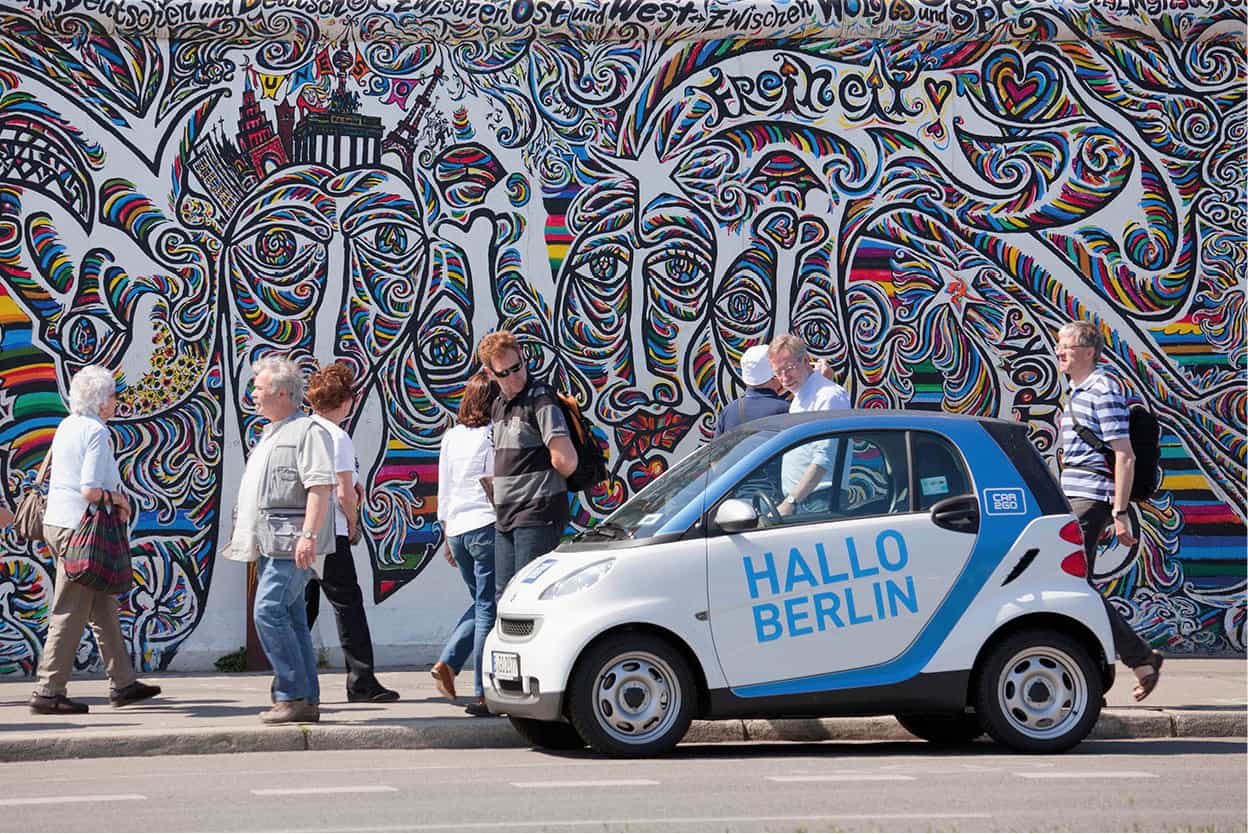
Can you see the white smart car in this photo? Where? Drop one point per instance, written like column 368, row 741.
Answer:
column 931, row 569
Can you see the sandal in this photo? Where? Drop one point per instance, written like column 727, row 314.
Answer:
column 1145, row 685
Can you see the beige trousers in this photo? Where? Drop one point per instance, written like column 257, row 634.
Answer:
column 74, row 606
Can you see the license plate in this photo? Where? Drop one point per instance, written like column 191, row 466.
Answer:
column 507, row 666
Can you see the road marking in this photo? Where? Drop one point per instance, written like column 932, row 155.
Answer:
column 1090, row 774
column 57, row 800
column 328, row 789
column 675, row 822
column 845, row 777
column 588, row 783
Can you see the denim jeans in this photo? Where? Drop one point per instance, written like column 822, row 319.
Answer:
column 282, row 625
column 513, row 549
column 474, row 556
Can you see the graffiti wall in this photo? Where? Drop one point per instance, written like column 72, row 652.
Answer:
column 924, row 190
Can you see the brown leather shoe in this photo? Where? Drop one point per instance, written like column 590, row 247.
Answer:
column 310, row 713
column 286, row 712
column 56, row 705
column 443, row 679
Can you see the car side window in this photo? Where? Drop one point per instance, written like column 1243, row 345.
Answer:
column 875, row 475
column 766, row 487
column 939, row 472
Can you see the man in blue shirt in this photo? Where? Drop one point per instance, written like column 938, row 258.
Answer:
column 762, row 396
column 1098, row 492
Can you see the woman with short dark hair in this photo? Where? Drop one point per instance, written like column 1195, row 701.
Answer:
column 331, row 394
column 83, row 471
column 467, row 519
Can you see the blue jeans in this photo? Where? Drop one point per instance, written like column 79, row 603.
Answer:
column 281, row 620
column 513, row 549
column 474, row 556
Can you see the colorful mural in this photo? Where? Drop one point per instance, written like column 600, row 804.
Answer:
column 924, row 190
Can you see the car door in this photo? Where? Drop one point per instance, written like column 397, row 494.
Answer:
column 853, row 575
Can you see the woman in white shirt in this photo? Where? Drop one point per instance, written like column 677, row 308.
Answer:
column 83, row 469
column 467, row 518
column 330, row 392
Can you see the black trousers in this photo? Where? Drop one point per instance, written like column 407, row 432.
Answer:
column 342, row 588
column 1094, row 517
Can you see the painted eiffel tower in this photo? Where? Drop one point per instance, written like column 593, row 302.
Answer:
column 403, row 138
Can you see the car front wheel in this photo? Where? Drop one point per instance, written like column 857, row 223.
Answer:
column 1035, row 692
column 632, row 695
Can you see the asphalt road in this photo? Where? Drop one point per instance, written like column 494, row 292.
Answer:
column 1151, row 785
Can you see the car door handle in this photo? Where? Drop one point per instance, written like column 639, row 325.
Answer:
column 959, row 513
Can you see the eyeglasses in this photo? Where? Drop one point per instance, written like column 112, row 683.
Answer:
column 789, row 368
column 506, row 372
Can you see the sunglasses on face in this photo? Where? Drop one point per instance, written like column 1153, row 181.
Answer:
column 506, row 372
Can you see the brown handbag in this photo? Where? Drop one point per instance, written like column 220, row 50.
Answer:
column 28, row 518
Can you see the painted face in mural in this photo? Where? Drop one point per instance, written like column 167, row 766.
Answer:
column 94, row 283
column 328, row 266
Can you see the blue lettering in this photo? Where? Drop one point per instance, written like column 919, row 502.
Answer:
column 768, row 573
column 881, row 551
column 879, row 600
column 854, row 619
column 797, row 565
column 910, row 599
column 830, row 612
column 854, row 567
column 794, row 617
column 767, row 627
column 828, row 578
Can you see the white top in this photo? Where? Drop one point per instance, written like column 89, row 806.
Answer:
column 818, row 393
column 344, row 461
column 82, row 456
column 467, row 454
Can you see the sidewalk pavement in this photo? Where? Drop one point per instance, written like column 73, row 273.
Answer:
column 202, row 713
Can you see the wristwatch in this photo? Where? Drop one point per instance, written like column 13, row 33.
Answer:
column 308, row 534
column 1118, row 513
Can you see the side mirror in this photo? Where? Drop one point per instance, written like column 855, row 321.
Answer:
column 735, row 515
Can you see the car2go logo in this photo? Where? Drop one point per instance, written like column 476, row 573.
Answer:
column 832, row 601
column 1005, row 502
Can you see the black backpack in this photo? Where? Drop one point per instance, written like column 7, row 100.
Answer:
column 591, row 461
column 1145, row 434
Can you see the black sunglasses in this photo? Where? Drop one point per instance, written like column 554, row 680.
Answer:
column 506, row 372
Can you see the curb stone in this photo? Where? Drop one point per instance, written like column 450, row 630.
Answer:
column 468, row 733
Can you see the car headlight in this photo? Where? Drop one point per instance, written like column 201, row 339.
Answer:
column 579, row 581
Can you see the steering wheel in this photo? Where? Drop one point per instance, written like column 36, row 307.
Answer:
column 768, row 512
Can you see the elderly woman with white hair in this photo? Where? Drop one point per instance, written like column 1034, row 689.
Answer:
column 83, row 469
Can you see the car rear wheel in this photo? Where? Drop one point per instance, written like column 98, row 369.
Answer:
column 551, row 735
column 1035, row 692
column 942, row 728
column 632, row 695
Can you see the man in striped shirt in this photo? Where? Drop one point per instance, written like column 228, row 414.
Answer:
column 533, row 455
column 1098, row 493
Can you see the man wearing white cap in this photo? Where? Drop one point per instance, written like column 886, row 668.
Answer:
column 762, row 396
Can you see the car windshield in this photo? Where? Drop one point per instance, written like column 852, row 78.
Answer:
column 648, row 511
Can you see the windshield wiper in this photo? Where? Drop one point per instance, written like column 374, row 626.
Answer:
column 606, row 530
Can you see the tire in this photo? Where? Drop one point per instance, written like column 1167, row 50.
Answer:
column 942, row 728
column 632, row 695
column 550, row 735
column 1038, row 692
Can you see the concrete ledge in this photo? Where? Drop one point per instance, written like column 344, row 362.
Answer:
column 1142, row 723
column 1208, row 723
column 26, row 747
column 465, row 733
